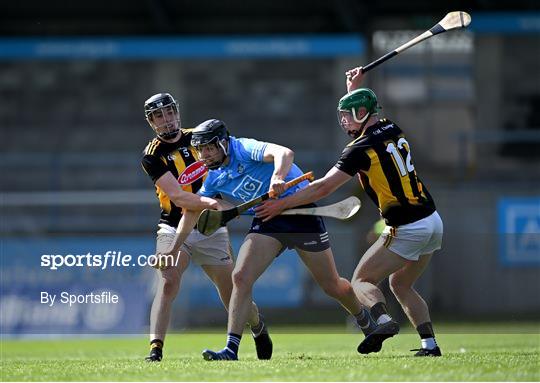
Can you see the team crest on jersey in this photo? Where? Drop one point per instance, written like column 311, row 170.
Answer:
column 192, row 173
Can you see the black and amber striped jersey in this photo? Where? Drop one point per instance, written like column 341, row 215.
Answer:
column 161, row 157
column 382, row 159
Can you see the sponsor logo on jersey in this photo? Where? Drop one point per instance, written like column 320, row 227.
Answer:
column 247, row 189
column 382, row 129
column 192, row 173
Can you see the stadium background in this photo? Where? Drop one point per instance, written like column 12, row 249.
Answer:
column 73, row 81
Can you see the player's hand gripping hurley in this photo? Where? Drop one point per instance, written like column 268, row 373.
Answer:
column 452, row 20
column 211, row 220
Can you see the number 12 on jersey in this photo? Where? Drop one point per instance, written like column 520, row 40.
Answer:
column 406, row 166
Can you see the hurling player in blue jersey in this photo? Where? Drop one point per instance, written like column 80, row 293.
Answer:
column 242, row 169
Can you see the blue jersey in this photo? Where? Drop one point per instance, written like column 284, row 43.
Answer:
column 246, row 176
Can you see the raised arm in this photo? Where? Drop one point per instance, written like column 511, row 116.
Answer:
column 354, row 78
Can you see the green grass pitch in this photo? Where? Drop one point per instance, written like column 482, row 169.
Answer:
column 304, row 355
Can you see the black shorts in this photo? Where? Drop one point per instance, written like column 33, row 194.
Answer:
column 305, row 232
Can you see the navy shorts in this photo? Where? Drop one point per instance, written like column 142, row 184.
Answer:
column 305, row 232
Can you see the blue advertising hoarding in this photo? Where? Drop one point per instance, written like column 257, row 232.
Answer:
column 519, row 231
column 279, row 46
column 28, row 286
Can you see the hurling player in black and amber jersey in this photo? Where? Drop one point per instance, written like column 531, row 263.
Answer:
column 177, row 164
column 381, row 157
column 174, row 167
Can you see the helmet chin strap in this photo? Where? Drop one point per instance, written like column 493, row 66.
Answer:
column 169, row 135
column 172, row 129
column 214, row 166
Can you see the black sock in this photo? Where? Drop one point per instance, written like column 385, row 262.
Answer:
column 156, row 349
column 365, row 321
column 377, row 310
column 233, row 342
column 259, row 329
column 425, row 330
column 427, row 336
column 156, row 343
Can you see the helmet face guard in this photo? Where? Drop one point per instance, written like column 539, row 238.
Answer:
column 163, row 116
column 213, row 153
column 210, row 139
column 346, row 119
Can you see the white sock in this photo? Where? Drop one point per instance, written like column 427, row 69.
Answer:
column 429, row 343
column 384, row 318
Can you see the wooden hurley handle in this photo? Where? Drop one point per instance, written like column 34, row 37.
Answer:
column 211, row 220
column 231, row 213
column 307, row 176
column 452, row 20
